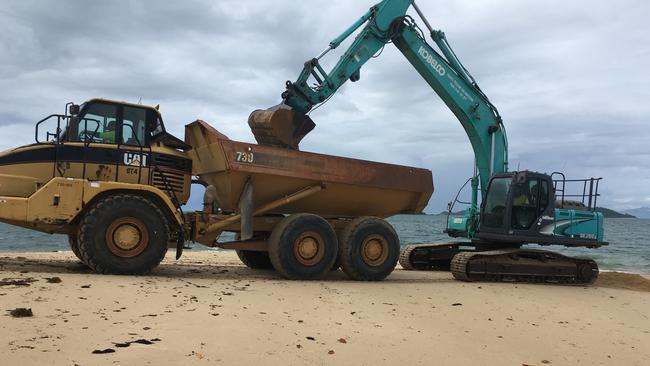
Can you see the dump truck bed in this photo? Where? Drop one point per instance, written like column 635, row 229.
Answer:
column 353, row 187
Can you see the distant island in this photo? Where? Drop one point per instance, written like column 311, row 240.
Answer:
column 641, row 212
column 608, row 213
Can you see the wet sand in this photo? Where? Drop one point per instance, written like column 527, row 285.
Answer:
column 207, row 308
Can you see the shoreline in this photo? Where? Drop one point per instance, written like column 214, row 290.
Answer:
column 204, row 249
column 644, row 275
column 207, row 308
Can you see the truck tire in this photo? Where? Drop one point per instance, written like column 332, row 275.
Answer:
column 123, row 234
column 74, row 246
column 303, row 247
column 254, row 259
column 368, row 249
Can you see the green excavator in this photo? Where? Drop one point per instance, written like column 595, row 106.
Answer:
column 516, row 207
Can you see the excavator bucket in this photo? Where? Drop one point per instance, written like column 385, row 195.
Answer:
column 280, row 126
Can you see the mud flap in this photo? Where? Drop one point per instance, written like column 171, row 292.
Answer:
column 180, row 243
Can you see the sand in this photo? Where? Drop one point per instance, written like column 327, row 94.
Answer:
column 209, row 309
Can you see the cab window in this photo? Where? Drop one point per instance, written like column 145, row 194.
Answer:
column 530, row 199
column 133, row 126
column 156, row 127
column 543, row 196
column 98, row 124
column 495, row 203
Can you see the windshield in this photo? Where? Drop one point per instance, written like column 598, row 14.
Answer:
column 98, row 124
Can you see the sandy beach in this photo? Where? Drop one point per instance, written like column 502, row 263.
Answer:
column 208, row 308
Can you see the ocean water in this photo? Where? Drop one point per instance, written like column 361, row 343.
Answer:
column 628, row 250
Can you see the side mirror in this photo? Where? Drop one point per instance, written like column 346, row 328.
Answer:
column 73, row 109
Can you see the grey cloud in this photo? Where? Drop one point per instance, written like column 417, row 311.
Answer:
column 568, row 77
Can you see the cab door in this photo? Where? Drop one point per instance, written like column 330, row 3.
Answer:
column 107, row 142
column 530, row 200
column 133, row 146
column 89, row 150
column 495, row 208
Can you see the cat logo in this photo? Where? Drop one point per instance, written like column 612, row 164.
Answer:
column 135, row 159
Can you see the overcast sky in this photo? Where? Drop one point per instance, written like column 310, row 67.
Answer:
column 570, row 78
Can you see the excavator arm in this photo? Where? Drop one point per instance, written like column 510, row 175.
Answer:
column 387, row 22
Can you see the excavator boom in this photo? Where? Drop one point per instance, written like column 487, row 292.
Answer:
column 387, row 22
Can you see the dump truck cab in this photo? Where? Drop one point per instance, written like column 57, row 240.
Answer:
column 105, row 140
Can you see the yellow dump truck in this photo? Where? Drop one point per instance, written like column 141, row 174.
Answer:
column 110, row 176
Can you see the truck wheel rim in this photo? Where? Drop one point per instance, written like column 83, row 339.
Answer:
column 374, row 250
column 309, row 248
column 127, row 237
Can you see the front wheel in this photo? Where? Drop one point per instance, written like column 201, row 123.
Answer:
column 123, row 234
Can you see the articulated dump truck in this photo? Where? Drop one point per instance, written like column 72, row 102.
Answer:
column 109, row 176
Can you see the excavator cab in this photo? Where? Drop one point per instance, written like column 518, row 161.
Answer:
column 522, row 207
column 514, row 201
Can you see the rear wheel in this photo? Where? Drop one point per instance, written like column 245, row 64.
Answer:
column 123, row 234
column 254, row 259
column 303, row 247
column 369, row 249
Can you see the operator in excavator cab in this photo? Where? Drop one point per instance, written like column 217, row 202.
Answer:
column 522, row 196
column 524, row 205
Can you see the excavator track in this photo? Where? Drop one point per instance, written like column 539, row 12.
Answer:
column 427, row 257
column 503, row 265
column 523, row 265
column 405, row 257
